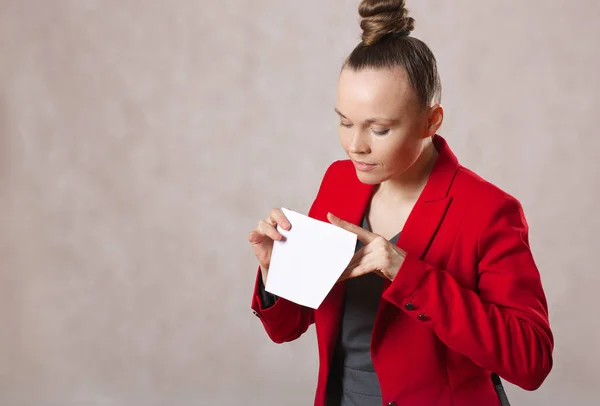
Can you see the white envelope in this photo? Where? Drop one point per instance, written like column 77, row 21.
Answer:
column 309, row 260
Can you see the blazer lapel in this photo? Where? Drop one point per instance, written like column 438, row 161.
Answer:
column 431, row 206
column 351, row 200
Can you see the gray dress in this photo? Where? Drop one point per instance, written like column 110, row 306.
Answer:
column 352, row 379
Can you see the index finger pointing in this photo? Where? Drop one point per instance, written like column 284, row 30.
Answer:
column 364, row 236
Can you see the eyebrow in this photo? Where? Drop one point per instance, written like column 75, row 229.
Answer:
column 370, row 120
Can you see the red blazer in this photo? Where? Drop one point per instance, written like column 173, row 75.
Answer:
column 467, row 301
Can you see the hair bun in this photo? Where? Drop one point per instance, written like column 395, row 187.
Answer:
column 384, row 17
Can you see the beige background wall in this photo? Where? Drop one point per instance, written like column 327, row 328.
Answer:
column 141, row 141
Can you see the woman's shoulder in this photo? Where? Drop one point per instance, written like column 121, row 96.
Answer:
column 340, row 171
column 480, row 192
column 467, row 185
column 340, row 167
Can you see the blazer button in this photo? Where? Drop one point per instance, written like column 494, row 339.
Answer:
column 256, row 314
column 391, row 404
column 409, row 306
column 422, row 317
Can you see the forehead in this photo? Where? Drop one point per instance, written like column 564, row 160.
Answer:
column 372, row 92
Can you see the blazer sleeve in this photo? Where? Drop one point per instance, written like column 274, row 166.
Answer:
column 285, row 320
column 267, row 299
column 504, row 326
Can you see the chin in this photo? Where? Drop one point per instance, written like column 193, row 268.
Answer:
column 369, row 178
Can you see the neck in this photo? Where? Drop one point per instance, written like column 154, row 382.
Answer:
column 410, row 183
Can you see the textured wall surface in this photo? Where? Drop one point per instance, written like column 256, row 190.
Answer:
column 141, row 141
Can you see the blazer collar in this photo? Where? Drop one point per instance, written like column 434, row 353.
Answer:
column 442, row 175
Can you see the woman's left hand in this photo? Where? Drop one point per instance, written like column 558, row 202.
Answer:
column 378, row 254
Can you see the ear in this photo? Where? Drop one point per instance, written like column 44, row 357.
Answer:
column 435, row 117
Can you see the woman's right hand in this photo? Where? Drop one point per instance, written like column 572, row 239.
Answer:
column 262, row 238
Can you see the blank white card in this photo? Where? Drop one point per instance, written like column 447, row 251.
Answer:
column 309, row 260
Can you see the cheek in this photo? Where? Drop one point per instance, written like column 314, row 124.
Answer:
column 344, row 139
column 401, row 155
column 341, row 138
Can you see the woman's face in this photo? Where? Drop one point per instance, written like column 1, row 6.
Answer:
column 382, row 126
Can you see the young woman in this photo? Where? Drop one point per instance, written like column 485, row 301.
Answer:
column 443, row 292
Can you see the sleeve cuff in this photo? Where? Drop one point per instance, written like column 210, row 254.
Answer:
column 267, row 299
column 411, row 274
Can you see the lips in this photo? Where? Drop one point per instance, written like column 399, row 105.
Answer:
column 363, row 166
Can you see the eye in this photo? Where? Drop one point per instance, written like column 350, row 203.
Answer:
column 382, row 132
column 347, row 125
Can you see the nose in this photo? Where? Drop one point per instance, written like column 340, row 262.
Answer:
column 359, row 143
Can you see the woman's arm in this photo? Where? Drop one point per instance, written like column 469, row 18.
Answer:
column 267, row 299
column 504, row 326
column 285, row 320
